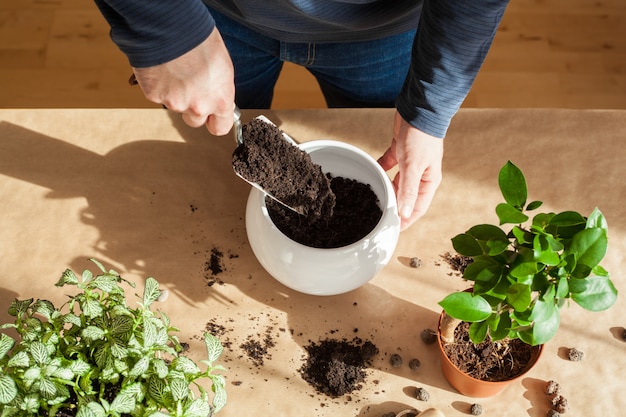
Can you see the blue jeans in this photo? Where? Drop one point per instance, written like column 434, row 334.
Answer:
column 354, row 74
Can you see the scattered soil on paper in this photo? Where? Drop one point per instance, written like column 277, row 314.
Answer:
column 337, row 367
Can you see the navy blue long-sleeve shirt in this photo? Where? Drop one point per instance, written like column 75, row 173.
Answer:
column 451, row 42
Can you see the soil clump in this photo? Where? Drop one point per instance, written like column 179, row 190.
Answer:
column 337, row 367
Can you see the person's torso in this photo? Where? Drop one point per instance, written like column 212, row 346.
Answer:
column 323, row 20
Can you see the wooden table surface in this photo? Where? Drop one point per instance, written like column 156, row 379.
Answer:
column 148, row 196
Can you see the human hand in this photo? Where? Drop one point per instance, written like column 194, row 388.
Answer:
column 199, row 84
column 419, row 158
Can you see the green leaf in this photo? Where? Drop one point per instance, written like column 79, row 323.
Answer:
column 157, row 389
column 31, row 374
column 466, row 245
column 149, row 334
column 179, row 388
column 185, row 365
column 68, row 277
column 545, row 330
column 79, row 367
column 522, row 236
column 219, row 400
column 106, row 283
column 509, row 214
column 562, row 288
column 141, row 367
column 466, row 307
column 39, row 353
column 92, row 333
column 92, row 409
column 198, row 408
column 518, row 296
column 8, row 389
column 589, row 246
column 98, row 264
column 151, row 292
column 47, row 388
column 124, row 403
column 543, row 310
column 496, row 240
column 20, row 359
column 44, row 307
column 482, row 270
column 87, row 276
column 543, row 251
column 6, row 343
column 63, row 373
column 594, row 293
column 597, row 220
column 121, row 324
column 71, row 318
column 91, row 308
column 522, row 270
column 213, row 346
column 513, row 185
column 488, row 232
column 502, row 327
column 533, row 205
column 160, row 368
column 118, row 350
column 567, row 218
column 478, row 331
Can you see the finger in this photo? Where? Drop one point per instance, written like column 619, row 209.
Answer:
column 194, row 119
column 428, row 186
column 388, row 159
column 408, row 191
column 220, row 125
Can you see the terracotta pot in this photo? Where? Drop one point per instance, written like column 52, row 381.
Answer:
column 473, row 387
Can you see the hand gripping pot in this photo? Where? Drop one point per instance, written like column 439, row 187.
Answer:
column 328, row 271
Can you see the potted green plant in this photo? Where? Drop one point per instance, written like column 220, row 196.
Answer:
column 522, row 277
column 96, row 356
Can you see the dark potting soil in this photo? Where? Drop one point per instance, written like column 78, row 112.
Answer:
column 356, row 213
column 337, row 367
column 283, row 170
column 488, row 361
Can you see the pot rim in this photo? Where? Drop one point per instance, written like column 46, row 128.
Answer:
column 385, row 208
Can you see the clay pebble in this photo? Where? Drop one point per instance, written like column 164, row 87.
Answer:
column 428, row 336
column 395, row 360
column 422, row 395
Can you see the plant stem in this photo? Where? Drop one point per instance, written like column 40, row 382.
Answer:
column 447, row 326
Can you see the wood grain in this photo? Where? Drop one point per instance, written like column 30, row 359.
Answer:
column 547, row 53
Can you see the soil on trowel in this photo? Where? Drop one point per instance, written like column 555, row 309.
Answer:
column 488, row 361
column 338, row 367
column 283, row 170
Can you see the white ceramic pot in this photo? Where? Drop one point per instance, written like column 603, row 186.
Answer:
column 328, row 271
